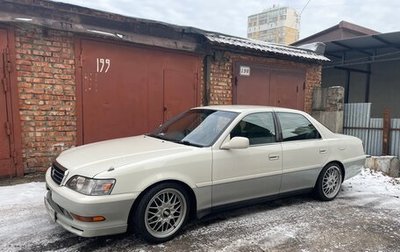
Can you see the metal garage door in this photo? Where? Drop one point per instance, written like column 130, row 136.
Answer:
column 264, row 85
column 129, row 90
column 6, row 164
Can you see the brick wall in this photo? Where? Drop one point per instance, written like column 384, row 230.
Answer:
column 221, row 82
column 313, row 80
column 222, row 77
column 45, row 69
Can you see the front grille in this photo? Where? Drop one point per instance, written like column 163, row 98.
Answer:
column 57, row 172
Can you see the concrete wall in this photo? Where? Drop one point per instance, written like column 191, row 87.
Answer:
column 389, row 165
column 328, row 107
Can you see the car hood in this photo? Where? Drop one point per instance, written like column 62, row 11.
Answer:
column 92, row 159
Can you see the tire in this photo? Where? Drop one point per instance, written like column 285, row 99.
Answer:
column 161, row 212
column 329, row 182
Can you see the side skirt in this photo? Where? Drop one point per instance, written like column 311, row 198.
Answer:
column 250, row 202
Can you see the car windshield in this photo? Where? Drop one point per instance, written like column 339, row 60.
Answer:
column 196, row 127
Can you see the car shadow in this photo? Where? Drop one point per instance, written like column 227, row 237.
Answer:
column 242, row 211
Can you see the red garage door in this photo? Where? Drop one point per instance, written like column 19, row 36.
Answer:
column 264, row 85
column 6, row 164
column 129, row 90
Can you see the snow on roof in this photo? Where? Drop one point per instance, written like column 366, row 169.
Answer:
column 262, row 46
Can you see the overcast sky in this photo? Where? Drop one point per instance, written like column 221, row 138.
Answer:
column 230, row 16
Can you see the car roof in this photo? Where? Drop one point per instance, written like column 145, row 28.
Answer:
column 248, row 108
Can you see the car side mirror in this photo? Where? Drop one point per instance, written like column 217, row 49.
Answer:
column 236, row 143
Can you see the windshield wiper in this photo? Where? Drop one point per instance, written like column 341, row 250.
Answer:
column 185, row 142
column 157, row 136
column 189, row 143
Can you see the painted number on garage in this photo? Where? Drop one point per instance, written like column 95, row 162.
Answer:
column 102, row 65
column 244, row 70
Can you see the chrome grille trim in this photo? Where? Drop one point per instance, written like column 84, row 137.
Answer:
column 57, row 172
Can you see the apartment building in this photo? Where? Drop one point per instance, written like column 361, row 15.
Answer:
column 277, row 25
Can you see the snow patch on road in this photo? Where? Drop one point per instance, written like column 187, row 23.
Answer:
column 30, row 193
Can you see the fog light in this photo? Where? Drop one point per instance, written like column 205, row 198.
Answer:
column 88, row 218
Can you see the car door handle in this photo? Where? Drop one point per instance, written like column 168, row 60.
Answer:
column 273, row 157
column 323, row 151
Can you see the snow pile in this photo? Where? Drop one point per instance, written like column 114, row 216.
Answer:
column 373, row 189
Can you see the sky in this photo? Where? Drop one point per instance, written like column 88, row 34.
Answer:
column 230, row 16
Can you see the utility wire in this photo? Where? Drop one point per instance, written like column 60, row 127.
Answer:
column 301, row 12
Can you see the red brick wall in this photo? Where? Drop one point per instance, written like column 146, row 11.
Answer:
column 221, row 82
column 313, row 79
column 46, row 82
column 222, row 73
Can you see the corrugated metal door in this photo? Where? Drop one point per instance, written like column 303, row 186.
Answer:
column 6, row 164
column 265, row 85
column 129, row 90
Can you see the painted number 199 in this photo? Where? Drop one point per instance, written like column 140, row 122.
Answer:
column 103, row 65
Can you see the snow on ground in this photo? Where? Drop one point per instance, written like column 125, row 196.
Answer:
column 366, row 187
column 364, row 217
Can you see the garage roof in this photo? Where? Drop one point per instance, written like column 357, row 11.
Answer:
column 365, row 42
column 83, row 20
column 265, row 47
column 364, row 49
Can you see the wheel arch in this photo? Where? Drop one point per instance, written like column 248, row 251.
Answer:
column 188, row 189
column 337, row 162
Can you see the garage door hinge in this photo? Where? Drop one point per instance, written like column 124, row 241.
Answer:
column 6, row 60
column 8, row 129
column 80, row 63
column 5, row 85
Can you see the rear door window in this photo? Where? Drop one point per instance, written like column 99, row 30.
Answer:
column 296, row 127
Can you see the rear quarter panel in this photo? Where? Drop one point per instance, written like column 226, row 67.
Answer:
column 349, row 151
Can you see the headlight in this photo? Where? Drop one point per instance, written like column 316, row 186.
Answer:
column 90, row 186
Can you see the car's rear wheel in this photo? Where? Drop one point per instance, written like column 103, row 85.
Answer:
column 329, row 182
column 162, row 212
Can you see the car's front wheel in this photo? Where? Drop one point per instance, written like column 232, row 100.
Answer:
column 162, row 212
column 329, row 182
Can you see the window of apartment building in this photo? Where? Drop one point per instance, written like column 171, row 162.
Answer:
column 262, row 21
column 252, row 21
column 272, row 19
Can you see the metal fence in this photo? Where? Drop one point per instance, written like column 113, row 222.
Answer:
column 372, row 131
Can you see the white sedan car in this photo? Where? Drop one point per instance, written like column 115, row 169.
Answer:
column 203, row 160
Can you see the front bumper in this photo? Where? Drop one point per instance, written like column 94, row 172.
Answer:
column 61, row 201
